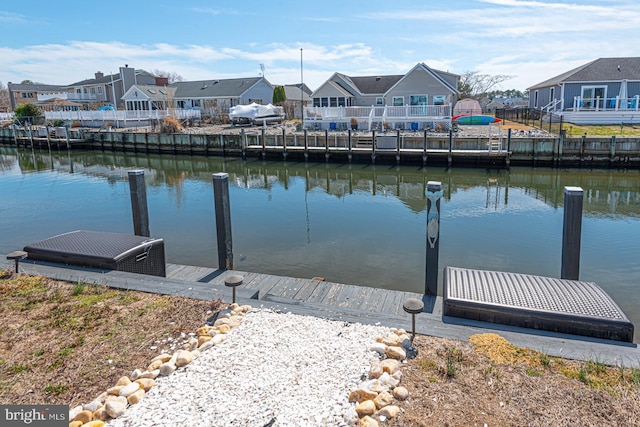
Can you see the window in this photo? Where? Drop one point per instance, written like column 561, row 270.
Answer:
column 535, row 99
column 26, row 94
column 398, row 101
column 324, row 102
column 342, row 101
column 418, row 100
column 100, row 90
column 594, row 96
column 93, row 90
column 162, row 91
column 379, row 100
column 152, row 91
column 439, row 99
column 316, row 102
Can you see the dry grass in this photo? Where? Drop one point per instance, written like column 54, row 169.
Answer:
column 170, row 125
column 65, row 343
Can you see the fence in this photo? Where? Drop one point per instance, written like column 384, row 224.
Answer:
column 549, row 122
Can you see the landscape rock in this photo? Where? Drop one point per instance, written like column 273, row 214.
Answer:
column 101, row 414
column 183, row 357
column 396, row 353
column 360, row 395
column 218, row 339
column 84, row 416
column 92, row 406
column 367, row 421
column 115, row 390
column 135, row 374
column 123, row 381
column 163, row 357
column 375, row 370
column 400, row 393
column 224, row 329
column 388, row 381
column 383, row 399
column 134, row 398
column 154, row 365
column 203, row 339
column 153, row 374
column 167, row 369
column 75, row 411
column 390, row 411
column 130, row 389
column 94, row 423
column 379, row 347
column 146, row 383
column 368, row 407
column 206, row 346
column 390, row 366
column 75, row 424
column 116, row 407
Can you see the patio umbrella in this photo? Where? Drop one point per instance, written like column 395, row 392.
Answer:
column 623, row 94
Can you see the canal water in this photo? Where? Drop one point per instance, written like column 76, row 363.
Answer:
column 355, row 224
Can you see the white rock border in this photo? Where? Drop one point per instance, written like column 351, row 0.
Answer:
column 377, row 397
column 129, row 390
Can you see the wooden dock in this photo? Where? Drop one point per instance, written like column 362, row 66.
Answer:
column 335, row 301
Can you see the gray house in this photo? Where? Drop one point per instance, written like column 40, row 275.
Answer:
column 108, row 89
column 420, row 99
column 420, row 86
column 604, row 91
column 214, row 97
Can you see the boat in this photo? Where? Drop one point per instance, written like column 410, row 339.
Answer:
column 256, row 114
column 465, row 119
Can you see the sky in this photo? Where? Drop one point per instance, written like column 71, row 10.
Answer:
column 62, row 42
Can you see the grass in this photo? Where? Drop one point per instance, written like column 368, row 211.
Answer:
column 601, row 130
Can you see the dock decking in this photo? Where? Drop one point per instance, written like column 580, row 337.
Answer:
column 338, row 302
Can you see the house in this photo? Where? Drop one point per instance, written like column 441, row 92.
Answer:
column 109, row 89
column 214, row 97
column 149, row 98
column 293, row 93
column 604, row 91
column 422, row 95
column 32, row 93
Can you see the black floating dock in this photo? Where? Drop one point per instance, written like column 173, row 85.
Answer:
column 108, row 251
column 558, row 305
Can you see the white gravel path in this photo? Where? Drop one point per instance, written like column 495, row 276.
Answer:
column 296, row 369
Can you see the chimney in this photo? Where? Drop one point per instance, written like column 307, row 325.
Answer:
column 99, row 74
column 162, row 81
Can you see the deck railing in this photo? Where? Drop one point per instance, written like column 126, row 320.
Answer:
column 606, row 104
column 404, row 112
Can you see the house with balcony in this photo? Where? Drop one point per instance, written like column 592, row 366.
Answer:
column 603, row 91
column 420, row 99
column 33, row 93
column 214, row 97
column 109, row 89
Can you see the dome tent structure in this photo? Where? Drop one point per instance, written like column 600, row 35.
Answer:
column 467, row 106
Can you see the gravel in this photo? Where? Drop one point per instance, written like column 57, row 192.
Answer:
column 275, row 369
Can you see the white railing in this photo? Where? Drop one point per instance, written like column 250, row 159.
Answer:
column 46, row 96
column 405, row 112
column 606, row 104
column 6, row 116
column 122, row 115
column 552, row 106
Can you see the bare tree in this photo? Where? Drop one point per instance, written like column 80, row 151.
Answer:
column 171, row 75
column 5, row 102
column 474, row 85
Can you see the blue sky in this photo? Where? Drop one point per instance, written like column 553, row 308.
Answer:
column 61, row 42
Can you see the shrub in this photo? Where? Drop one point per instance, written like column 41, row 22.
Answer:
column 170, row 125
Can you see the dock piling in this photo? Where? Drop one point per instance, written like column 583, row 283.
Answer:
column 138, row 192
column 571, row 231
column 223, row 220
column 434, row 194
